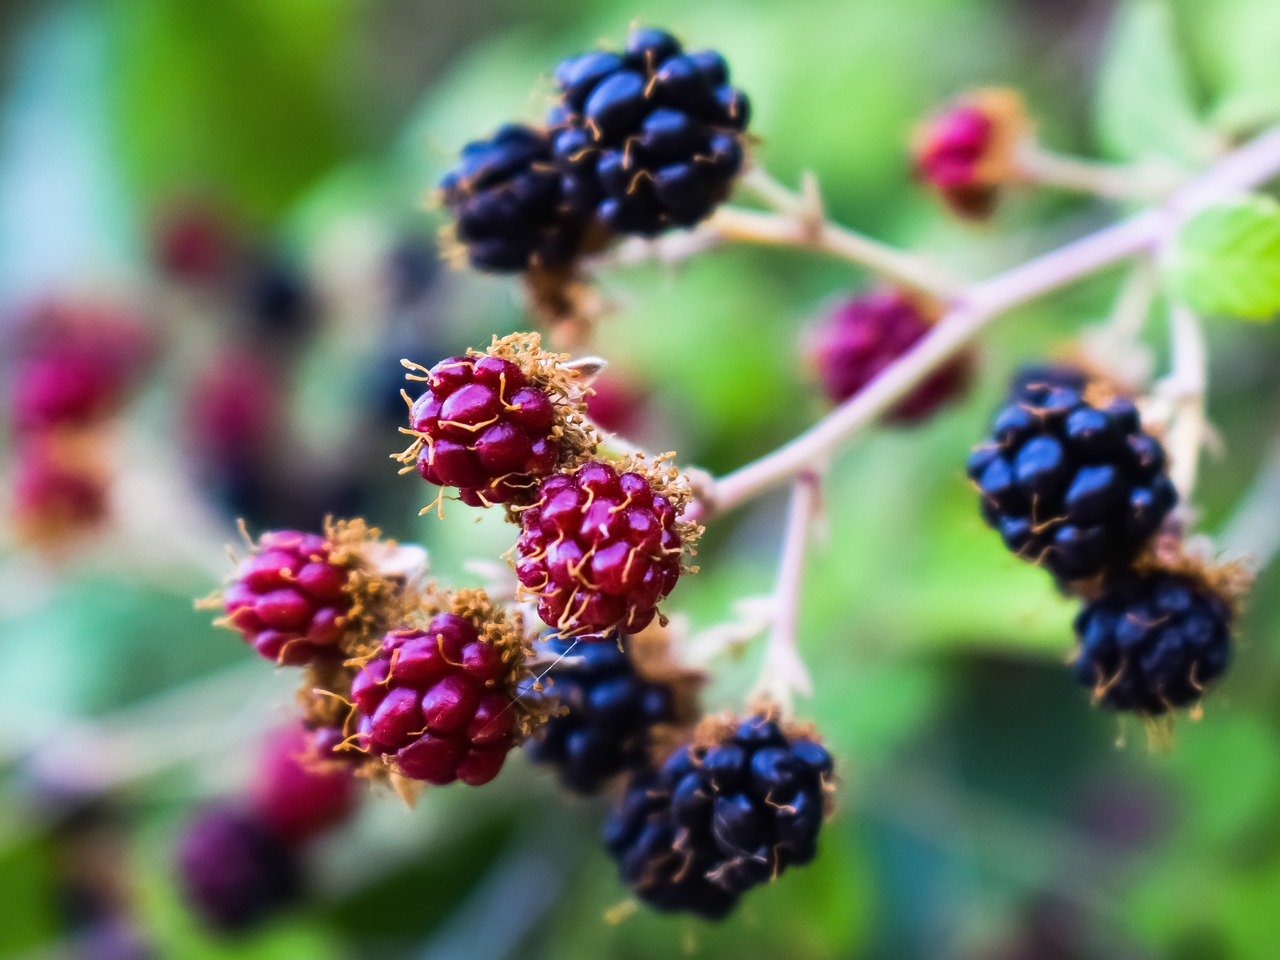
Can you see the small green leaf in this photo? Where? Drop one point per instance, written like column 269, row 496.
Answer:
column 1145, row 108
column 1228, row 260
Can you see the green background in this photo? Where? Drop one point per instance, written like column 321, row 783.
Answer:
column 982, row 801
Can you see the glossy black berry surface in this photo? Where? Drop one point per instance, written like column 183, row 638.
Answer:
column 649, row 138
column 1152, row 642
column 506, row 199
column 608, row 712
column 1073, row 487
column 716, row 820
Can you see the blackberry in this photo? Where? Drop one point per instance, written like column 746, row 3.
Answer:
column 289, row 599
column 600, row 548
column 441, row 704
column 65, row 388
column 1151, row 641
column 609, row 711
column 492, row 425
column 58, row 490
column 649, row 138
column 725, row 813
column 299, row 598
column 234, row 870
column 865, row 335
column 1075, row 487
column 1036, row 377
column 506, row 198
column 300, row 791
column 967, row 152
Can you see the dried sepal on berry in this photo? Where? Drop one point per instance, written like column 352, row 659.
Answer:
column 440, row 700
column 968, row 152
column 493, row 424
column 604, row 545
column 301, row 596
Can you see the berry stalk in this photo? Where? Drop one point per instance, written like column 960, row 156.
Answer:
column 1254, row 163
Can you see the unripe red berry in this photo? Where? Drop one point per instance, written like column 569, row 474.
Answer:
column 303, row 597
column 967, row 152
column 492, row 425
column 62, row 389
column 441, row 703
column 600, row 549
column 303, row 788
column 58, row 489
column 868, row 333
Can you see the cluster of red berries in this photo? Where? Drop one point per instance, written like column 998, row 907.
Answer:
column 1073, row 483
column 600, row 545
column 239, row 862
column 74, row 367
column 639, row 141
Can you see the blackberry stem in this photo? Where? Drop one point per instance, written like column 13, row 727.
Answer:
column 1186, row 384
column 1146, row 182
column 974, row 310
column 783, row 672
column 1253, row 532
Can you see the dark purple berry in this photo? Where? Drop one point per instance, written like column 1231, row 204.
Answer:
column 1151, row 642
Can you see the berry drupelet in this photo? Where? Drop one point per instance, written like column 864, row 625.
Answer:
column 967, row 152
column 441, row 703
column 600, row 548
column 611, row 703
column 729, row 811
column 1076, row 487
column 1152, row 640
column 865, row 335
column 494, row 424
column 506, row 198
column 234, row 870
column 649, row 138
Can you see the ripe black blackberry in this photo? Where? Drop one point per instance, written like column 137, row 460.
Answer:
column 610, row 711
column 649, row 138
column 505, row 196
column 730, row 810
column 1075, row 487
column 1152, row 640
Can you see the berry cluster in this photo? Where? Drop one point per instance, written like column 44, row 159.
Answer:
column 494, row 424
column 1075, row 484
column 866, row 334
column 239, row 863
column 599, row 549
column 638, row 142
column 615, row 700
column 75, row 364
column 726, row 812
column 441, row 703
column 967, row 153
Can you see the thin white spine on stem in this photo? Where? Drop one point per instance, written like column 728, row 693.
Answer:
column 783, row 672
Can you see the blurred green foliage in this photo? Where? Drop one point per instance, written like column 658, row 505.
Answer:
column 977, row 782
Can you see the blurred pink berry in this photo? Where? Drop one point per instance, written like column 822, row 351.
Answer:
column 966, row 153
column 865, row 335
column 300, row 791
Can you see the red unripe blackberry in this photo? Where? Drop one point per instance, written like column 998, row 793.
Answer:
column 58, row 489
column 492, row 425
column 303, row 788
column 62, row 389
column 865, row 335
column 234, row 870
column 600, row 549
column 967, row 152
column 289, row 598
column 441, row 703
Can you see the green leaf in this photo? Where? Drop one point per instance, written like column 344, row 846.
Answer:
column 1228, row 260
column 1145, row 108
